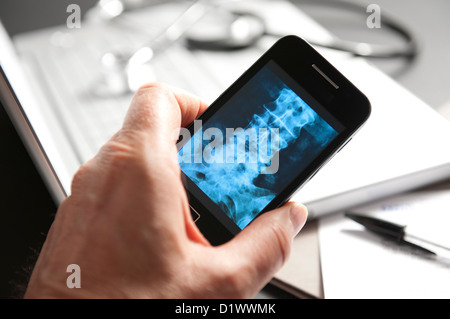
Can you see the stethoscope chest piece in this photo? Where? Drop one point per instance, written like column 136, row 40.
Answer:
column 226, row 30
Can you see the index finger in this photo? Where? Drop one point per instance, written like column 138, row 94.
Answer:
column 191, row 106
column 159, row 107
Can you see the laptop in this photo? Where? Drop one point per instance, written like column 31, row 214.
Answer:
column 51, row 84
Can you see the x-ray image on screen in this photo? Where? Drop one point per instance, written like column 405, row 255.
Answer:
column 275, row 135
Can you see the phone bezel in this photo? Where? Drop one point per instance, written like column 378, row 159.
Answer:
column 343, row 100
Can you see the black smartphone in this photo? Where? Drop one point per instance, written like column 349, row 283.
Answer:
column 266, row 136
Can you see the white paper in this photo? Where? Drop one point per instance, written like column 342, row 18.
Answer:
column 403, row 136
column 359, row 264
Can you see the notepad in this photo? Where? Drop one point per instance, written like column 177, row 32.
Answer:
column 359, row 264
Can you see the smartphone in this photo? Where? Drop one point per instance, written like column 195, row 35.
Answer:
column 266, row 136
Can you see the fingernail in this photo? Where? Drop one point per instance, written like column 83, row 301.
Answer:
column 298, row 214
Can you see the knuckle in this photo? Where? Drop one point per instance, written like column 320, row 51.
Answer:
column 129, row 152
column 126, row 148
column 119, row 150
column 81, row 177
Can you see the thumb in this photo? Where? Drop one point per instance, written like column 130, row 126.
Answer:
column 263, row 247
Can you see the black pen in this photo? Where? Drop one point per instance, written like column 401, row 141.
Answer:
column 392, row 231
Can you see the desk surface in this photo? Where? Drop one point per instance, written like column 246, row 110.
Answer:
column 427, row 76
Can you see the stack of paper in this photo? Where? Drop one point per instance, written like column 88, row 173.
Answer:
column 359, row 264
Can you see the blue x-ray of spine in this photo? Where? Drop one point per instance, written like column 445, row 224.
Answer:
column 289, row 135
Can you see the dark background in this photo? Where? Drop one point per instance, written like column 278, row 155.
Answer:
column 26, row 207
column 26, row 210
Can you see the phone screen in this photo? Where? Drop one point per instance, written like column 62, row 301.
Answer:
column 239, row 158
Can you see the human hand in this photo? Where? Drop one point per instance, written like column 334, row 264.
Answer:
column 128, row 226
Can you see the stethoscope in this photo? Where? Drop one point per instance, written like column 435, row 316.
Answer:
column 239, row 31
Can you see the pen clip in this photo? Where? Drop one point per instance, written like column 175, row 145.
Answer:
column 379, row 226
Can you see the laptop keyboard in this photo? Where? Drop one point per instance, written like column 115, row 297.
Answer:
column 66, row 65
